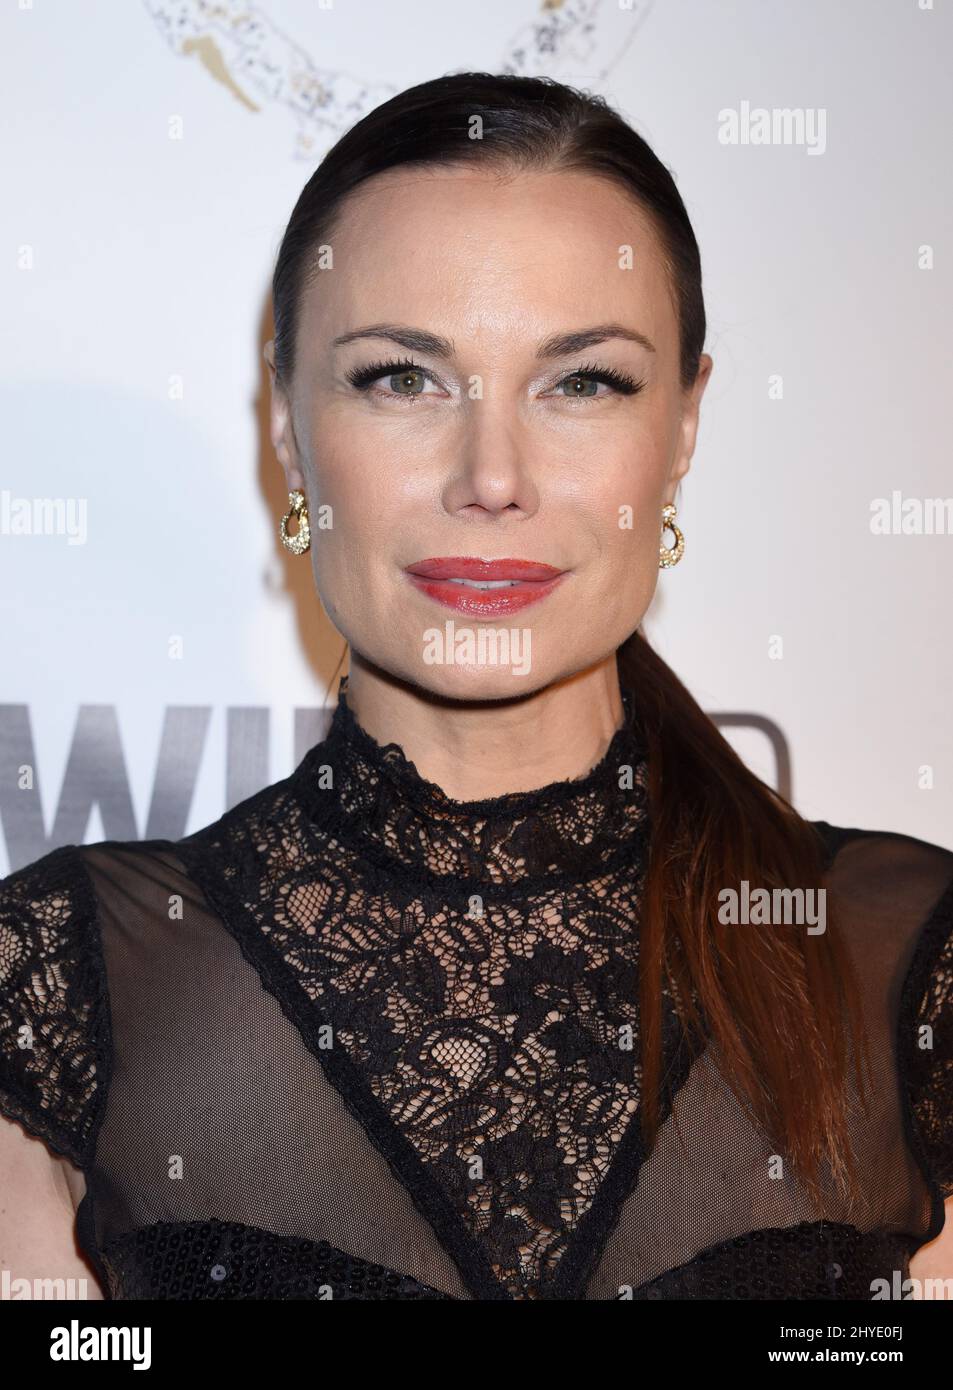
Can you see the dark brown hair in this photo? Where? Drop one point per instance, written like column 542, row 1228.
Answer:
column 781, row 1008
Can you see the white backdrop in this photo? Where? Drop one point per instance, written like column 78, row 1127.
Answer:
column 153, row 151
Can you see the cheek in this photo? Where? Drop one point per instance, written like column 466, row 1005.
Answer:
column 350, row 556
column 627, row 514
column 630, row 568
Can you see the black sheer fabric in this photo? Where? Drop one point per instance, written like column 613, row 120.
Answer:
column 357, row 1040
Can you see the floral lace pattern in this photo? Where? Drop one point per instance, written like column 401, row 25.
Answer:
column 497, row 1029
column 54, row 1015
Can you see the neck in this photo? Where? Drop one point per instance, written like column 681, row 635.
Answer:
column 378, row 808
column 475, row 749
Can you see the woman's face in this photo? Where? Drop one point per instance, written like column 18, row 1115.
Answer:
column 487, row 446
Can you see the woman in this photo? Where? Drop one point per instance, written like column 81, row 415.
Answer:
column 468, row 1007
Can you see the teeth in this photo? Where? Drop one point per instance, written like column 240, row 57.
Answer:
column 485, row 583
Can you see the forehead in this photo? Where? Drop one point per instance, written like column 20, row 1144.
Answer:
column 481, row 255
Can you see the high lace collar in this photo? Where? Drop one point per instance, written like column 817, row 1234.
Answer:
column 376, row 804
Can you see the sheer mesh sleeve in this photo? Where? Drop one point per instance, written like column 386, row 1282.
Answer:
column 54, row 1014
column 926, row 1039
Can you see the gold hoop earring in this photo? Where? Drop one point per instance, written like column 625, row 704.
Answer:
column 668, row 557
column 299, row 542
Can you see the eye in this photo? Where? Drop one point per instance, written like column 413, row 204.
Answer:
column 582, row 378
column 405, row 379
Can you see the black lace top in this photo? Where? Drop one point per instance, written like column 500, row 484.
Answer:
column 358, row 1040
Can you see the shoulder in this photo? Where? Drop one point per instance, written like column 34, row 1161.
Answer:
column 892, row 895
column 61, row 918
column 897, row 890
column 54, row 1017
column 887, row 872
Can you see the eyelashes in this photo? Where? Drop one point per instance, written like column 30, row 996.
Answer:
column 620, row 382
column 363, row 378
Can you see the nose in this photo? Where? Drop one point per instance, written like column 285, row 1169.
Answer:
column 491, row 472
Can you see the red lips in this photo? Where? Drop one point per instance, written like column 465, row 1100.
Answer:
column 470, row 567
column 532, row 582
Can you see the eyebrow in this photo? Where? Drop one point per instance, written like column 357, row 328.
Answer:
column 558, row 345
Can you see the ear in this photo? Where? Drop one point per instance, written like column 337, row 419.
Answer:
column 688, row 429
column 280, row 426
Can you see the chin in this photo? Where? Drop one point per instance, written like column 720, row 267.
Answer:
column 459, row 682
